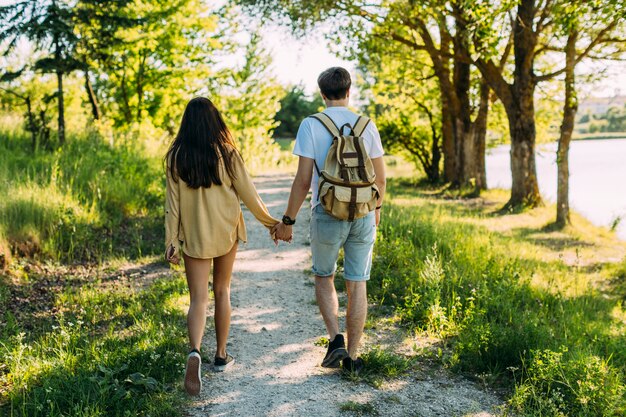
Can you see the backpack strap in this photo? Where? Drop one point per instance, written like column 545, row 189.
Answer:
column 332, row 128
column 328, row 123
column 358, row 129
column 360, row 125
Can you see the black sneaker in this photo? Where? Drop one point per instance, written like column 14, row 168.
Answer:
column 336, row 352
column 221, row 364
column 352, row 366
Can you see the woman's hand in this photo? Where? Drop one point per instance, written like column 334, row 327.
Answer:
column 283, row 232
column 172, row 256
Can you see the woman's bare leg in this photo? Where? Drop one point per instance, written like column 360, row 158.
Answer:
column 222, row 270
column 197, row 271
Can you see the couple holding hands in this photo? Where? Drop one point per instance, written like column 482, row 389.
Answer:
column 206, row 179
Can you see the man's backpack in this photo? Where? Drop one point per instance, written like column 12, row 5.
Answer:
column 347, row 188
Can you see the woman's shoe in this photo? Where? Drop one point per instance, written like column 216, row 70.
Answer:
column 221, row 364
column 193, row 379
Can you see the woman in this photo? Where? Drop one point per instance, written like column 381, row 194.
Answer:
column 206, row 178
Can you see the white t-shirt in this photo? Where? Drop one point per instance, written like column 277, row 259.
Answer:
column 313, row 141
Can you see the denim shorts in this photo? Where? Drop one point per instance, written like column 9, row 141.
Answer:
column 329, row 234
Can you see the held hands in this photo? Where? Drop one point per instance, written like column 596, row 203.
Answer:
column 282, row 232
column 172, row 256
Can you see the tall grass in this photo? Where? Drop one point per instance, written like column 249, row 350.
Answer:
column 86, row 201
column 504, row 310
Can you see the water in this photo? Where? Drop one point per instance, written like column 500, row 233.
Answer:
column 597, row 178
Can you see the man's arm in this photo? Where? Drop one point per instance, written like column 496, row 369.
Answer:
column 299, row 190
column 381, row 182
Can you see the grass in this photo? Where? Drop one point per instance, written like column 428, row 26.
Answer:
column 88, row 201
column 538, row 310
column 360, row 409
column 534, row 308
column 380, row 365
column 108, row 350
column 76, row 339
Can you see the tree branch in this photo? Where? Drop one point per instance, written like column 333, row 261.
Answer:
column 545, row 12
column 407, row 42
column 14, row 93
column 595, row 42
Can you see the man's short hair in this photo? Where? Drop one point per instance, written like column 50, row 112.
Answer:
column 334, row 83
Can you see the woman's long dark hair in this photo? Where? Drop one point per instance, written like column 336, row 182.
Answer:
column 202, row 140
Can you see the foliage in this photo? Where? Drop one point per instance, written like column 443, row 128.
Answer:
column 494, row 300
column 249, row 99
column 295, row 106
column 49, row 24
column 558, row 384
column 158, row 67
column 403, row 97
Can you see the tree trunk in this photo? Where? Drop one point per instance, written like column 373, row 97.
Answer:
column 61, row 107
column 521, row 111
column 93, row 100
column 524, row 188
column 567, row 126
column 140, row 75
column 448, row 139
column 464, row 149
column 479, row 130
column 31, row 123
column 471, row 137
column 126, row 104
column 436, row 160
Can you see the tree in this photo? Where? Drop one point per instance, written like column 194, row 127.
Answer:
column 49, row 25
column 165, row 56
column 23, row 89
column 294, row 107
column 248, row 96
column 464, row 120
column 405, row 101
column 98, row 24
column 532, row 29
column 588, row 27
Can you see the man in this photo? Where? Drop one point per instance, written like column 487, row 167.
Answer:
column 328, row 234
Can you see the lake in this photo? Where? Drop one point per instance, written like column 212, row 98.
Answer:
column 597, row 177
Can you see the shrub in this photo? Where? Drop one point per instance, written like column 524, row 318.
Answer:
column 558, row 384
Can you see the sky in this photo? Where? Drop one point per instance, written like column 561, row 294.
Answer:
column 300, row 61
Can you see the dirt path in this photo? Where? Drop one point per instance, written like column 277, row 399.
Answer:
column 275, row 325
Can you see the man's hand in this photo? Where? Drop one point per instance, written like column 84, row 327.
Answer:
column 377, row 217
column 283, row 232
column 171, row 256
